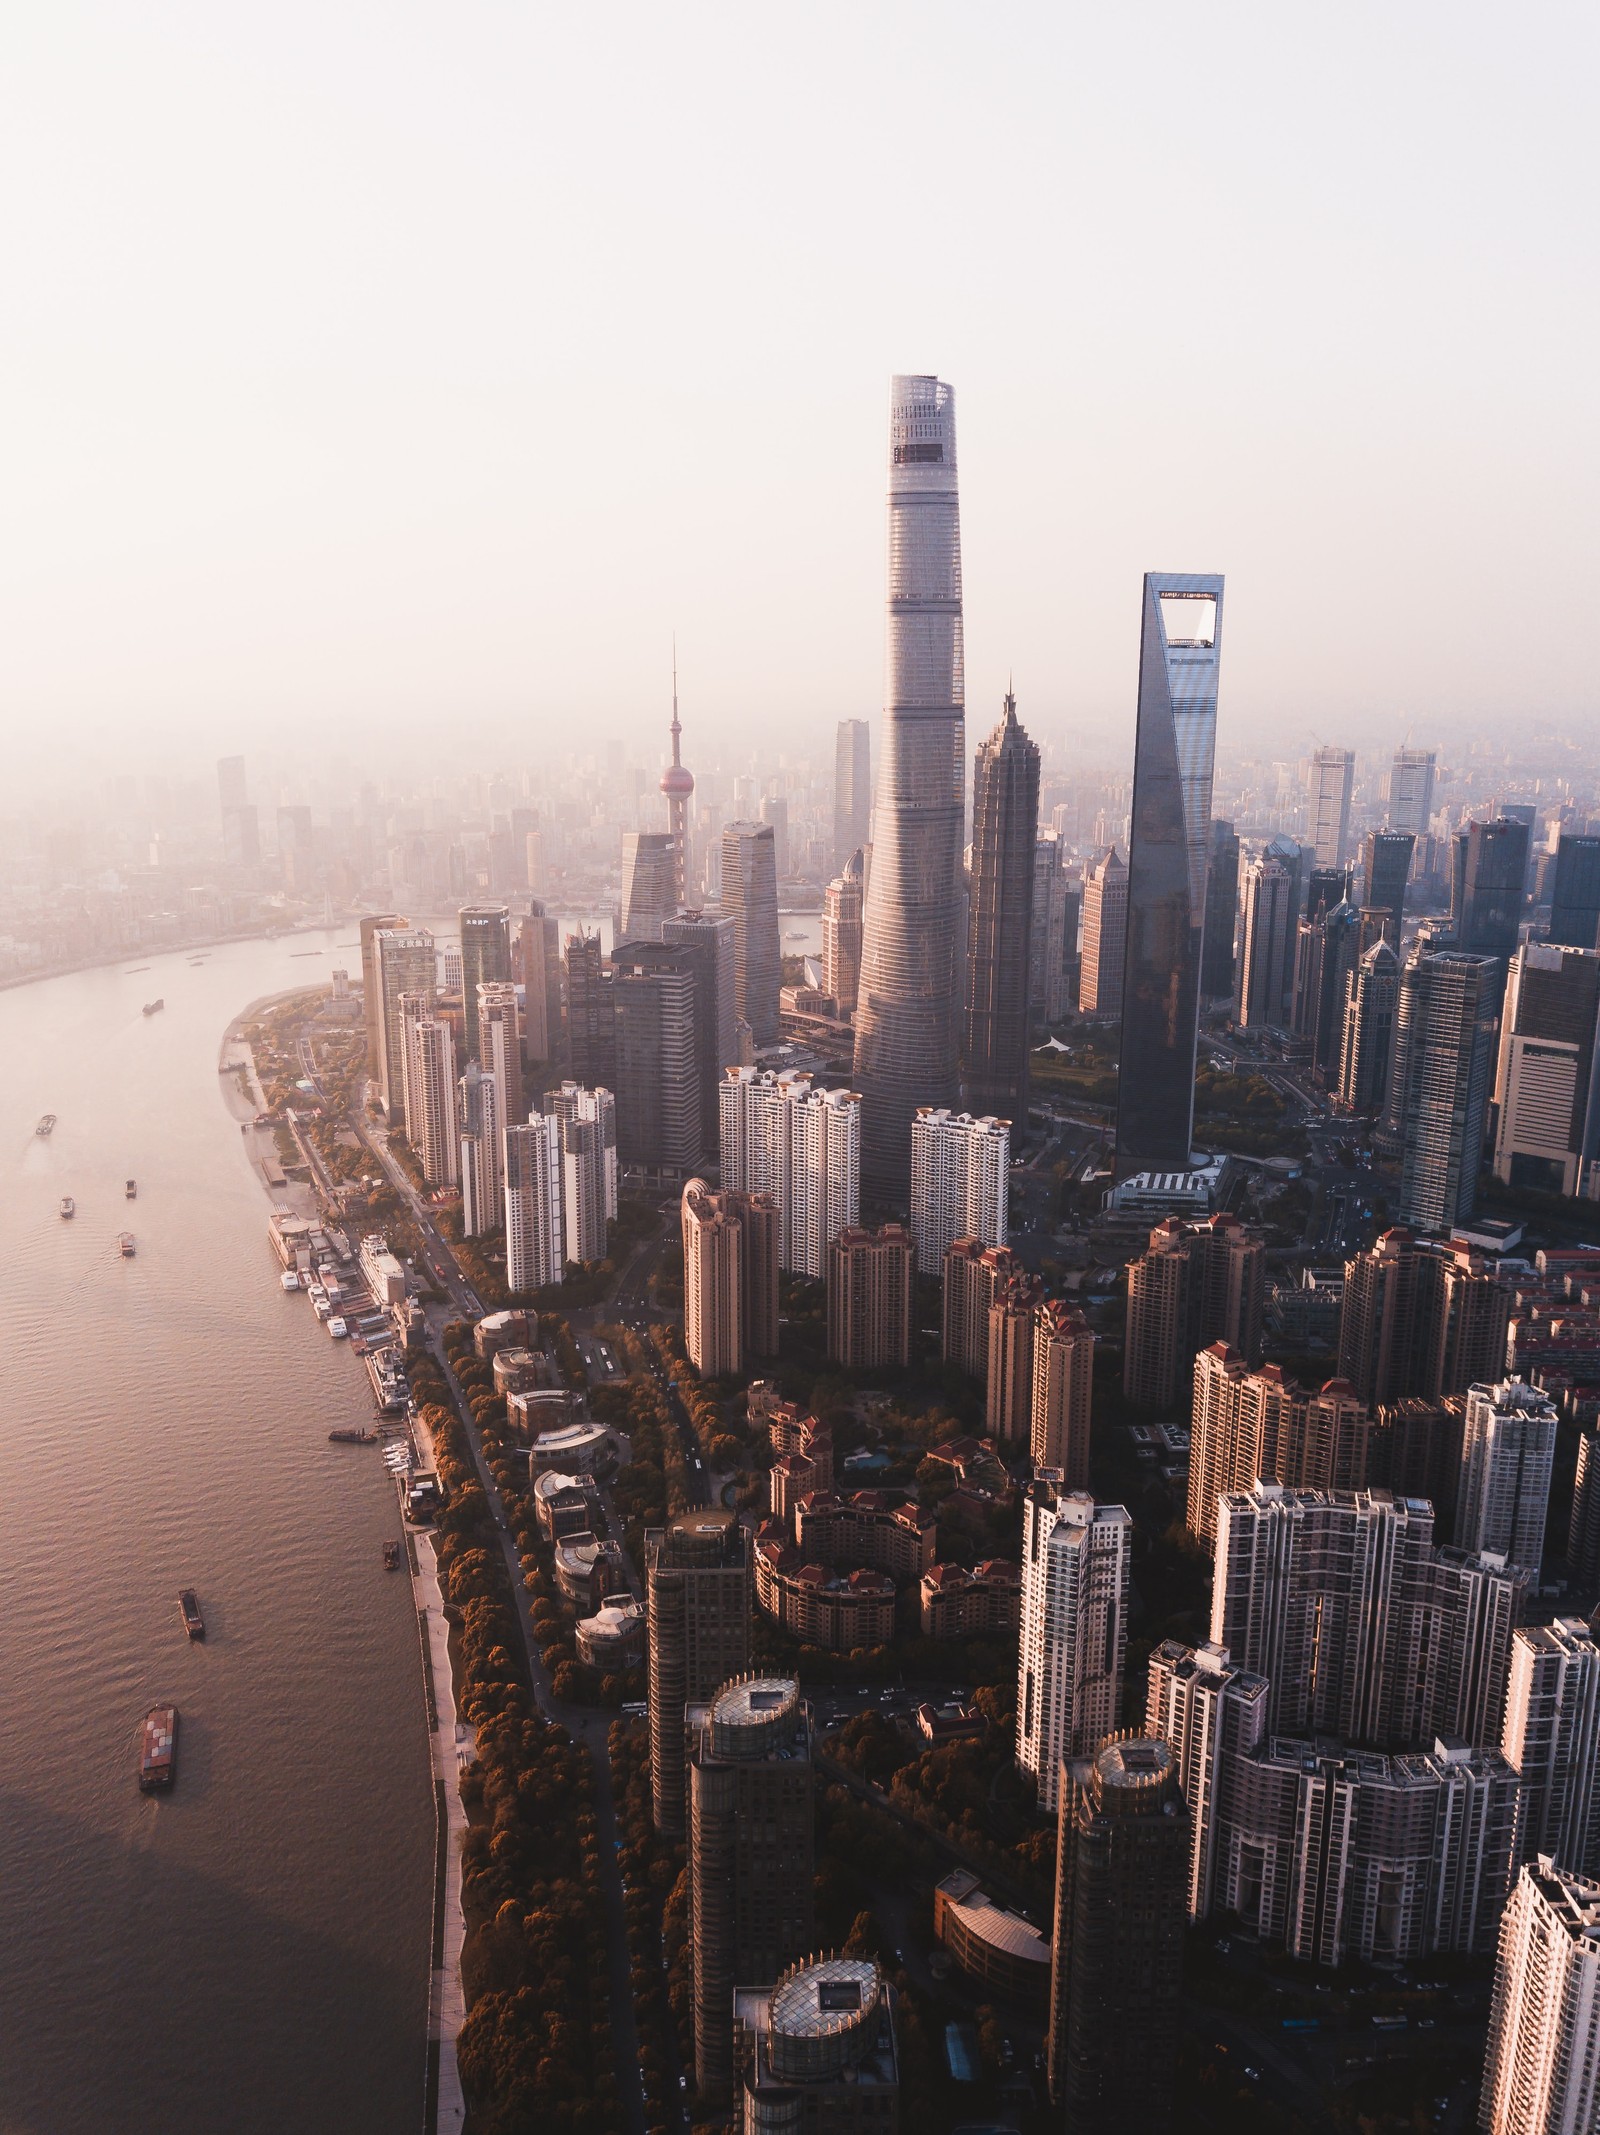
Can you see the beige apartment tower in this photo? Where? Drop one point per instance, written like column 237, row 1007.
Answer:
column 872, row 1280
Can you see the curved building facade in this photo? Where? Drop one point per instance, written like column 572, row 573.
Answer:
column 907, row 1008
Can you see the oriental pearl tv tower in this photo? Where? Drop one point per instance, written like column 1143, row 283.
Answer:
column 677, row 783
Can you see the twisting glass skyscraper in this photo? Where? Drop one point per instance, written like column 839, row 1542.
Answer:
column 1179, row 652
column 907, row 1008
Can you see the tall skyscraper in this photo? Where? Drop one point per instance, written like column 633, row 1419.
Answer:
column 775, row 814
column 750, row 900
column 1366, row 1044
column 1122, row 1868
column 1005, row 821
column 431, row 1098
column 1076, row 1558
column 232, row 791
column 1261, row 1426
column 1222, row 913
column 705, row 939
column 1213, row 1714
column 906, row 1025
column 535, row 1237
column 677, row 783
column 730, row 1278
column 852, row 790
column 500, row 1044
column 538, row 961
column 1575, row 893
column 1507, row 1454
column 697, row 1602
column 1583, row 1532
column 1052, row 933
column 371, row 927
column 406, row 964
column 1063, row 1392
column 1362, row 1628
column 872, row 1281
column 1541, row 2073
column 750, row 1846
column 1195, row 1283
column 649, row 882
column 781, row 1136
column 482, row 1161
column 1552, row 1740
column 1547, row 1091
column 1333, row 777
column 588, row 1167
column 1411, row 789
column 1385, row 871
column 1493, row 883
column 485, row 958
column 1439, row 1084
column 841, row 935
column 658, row 1083
column 1419, row 1320
column 960, row 1181
column 821, row 2051
column 1168, row 857
column 1268, row 893
column 974, row 1276
column 591, row 1013
column 1008, row 1382
column 1105, row 935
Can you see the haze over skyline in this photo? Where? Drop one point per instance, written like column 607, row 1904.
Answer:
column 422, row 371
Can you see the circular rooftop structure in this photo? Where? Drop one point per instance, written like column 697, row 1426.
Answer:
column 745, row 1712
column 823, row 2017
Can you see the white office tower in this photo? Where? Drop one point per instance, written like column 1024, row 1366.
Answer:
column 1333, row 777
column 1541, row 2074
column 1552, row 1740
column 535, row 1247
column 1075, row 1571
column 1411, row 789
column 482, row 1152
column 1507, row 1451
column 780, row 1136
column 588, row 1167
column 406, row 963
column 649, row 883
column 960, row 1182
column 431, row 1096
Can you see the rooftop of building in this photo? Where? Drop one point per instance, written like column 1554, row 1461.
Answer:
column 990, row 1922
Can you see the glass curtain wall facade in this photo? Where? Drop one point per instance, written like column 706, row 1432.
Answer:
column 913, row 933
column 1169, row 852
column 1005, row 821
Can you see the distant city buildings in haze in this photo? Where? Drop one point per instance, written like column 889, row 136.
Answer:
column 750, row 900
column 485, row 959
column 1168, row 857
column 1333, row 777
column 906, row 1024
column 852, row 790
column 841, row 935
column 1222, row 914
column 1005, row 817
column 1411, row 780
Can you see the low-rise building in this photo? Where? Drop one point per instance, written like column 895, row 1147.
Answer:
column 817, row 2052
column 999, row 1949
column 612, row 1639
column 983, row 1603
column 504, row 1330
column 589, row 1570
column 840, row 1612
column 563, row 1504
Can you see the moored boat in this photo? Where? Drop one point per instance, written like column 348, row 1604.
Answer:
column 391, row 1556
column 158, row 1749
column 189, row 1603
column 290, row 1279
column 352, row 1437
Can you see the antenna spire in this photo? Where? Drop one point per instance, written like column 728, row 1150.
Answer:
column 676, row 727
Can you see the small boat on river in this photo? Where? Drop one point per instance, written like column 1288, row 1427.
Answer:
column 152, row 1008
column 158, row 1749
column 125, row 1244
column 46, row 1125
column 66, row 1206
column 189, row 1603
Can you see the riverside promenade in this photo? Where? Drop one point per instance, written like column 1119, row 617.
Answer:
column 452, row 1747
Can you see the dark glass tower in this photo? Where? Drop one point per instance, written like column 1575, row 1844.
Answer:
column 1385, row 869
column 1222, row 913
column 485, row 958
column 1005, row 821
column 1168, row 859
column 1493, row 880
column 1575, row 899
column 907, row 1021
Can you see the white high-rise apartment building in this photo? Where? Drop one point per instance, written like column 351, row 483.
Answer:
column 1411, row 789
column 1541, row 2073
column 1333, row 777
column 1552, row 1740
column 500, row 1043
column 1075, row 1572
column 588, row 1166
column 431, row 1096
column 406, row 962
column 535, row 1236
column 781, row 1136
column 1212, row 1713
column 960, row 1182
column 1507, row 1452
column 482, row 1152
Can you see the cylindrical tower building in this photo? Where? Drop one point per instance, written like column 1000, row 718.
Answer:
column 906, row 1026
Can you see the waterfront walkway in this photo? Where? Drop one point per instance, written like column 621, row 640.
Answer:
column 451, row 1746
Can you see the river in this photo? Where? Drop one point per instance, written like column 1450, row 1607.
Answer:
column 249, row 1952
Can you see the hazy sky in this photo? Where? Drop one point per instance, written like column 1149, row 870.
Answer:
column 371, row 366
